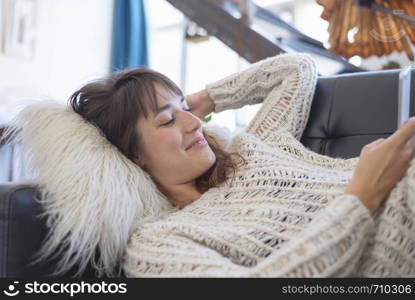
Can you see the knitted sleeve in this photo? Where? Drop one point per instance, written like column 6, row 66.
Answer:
column 329, row 247
column 285, row 85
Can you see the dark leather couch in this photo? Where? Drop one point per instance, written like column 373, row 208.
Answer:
column 348, row 111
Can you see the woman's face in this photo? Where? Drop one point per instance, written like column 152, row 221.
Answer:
column 165, row 138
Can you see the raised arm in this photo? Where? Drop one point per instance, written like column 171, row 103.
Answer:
column 330, row 246
column 284, row 83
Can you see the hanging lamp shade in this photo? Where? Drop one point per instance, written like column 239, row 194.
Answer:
column 370, row 27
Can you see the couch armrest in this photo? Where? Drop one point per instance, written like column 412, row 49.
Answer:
column 21, row 230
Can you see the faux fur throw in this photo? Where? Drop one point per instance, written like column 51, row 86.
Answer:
column 93, row 195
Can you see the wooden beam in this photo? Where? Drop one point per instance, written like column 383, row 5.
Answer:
column 224, row 21
column 227, row 25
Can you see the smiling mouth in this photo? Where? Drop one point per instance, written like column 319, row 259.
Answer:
column 201, row 141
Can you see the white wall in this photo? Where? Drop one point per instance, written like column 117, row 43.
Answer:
column 72, row 46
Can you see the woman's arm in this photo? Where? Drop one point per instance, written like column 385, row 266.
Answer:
column 381, row 165
column 330, row 246
column 284, row 83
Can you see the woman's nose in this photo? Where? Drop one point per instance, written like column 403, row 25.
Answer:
column 193, row 123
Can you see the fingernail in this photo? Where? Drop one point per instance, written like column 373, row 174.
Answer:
column 411, row 119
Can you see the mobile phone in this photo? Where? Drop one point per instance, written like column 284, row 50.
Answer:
column 404, row 95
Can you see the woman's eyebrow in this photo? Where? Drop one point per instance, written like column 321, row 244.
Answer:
column 168, row 106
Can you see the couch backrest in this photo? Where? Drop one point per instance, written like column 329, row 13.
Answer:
column 351, row 110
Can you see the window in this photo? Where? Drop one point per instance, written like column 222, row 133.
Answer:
column 193, row 65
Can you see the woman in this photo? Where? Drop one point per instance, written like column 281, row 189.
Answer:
column 193, row 203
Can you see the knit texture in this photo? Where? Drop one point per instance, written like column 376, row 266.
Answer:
column 286, row 213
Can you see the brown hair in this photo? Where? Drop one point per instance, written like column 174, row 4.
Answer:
column 115, row 104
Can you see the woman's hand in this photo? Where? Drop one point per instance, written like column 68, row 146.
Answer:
column 381, row 165
column 200, row 103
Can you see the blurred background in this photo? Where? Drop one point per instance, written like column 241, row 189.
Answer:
column 50, row 48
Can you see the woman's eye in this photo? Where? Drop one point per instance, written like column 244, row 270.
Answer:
column 172, row 120
column 169, row 122
column 186, row 107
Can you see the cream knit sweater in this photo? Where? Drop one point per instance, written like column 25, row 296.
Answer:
column 286, row 214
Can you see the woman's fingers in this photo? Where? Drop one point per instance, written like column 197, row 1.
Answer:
column 404, row 133
column 376, row 142
column 381, row 165
column 410, row 148
column 372, row 144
